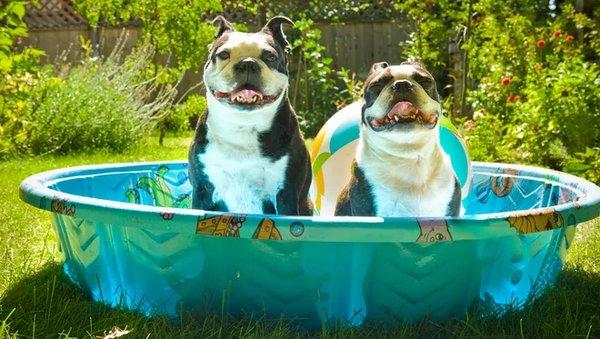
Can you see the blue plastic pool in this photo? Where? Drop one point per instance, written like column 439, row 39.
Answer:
column 126, row 250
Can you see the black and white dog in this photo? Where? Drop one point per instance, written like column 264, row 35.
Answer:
column 400, row 168
column 248, row 155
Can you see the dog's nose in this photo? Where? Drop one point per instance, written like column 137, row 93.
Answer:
column 247, row 65
column 402, row 86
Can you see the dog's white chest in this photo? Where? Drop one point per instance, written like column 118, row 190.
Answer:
column 243, row 179
column 431, row 202
column 408, row 188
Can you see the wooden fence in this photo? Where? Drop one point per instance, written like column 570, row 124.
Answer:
column 354, row 46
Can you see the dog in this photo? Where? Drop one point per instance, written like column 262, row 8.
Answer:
column 248, row 155
column 400, row 168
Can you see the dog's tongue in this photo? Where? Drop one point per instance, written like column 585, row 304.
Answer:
column 403, row 109
column 247, row 94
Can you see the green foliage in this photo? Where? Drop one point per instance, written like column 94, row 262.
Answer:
column 96, row 105
column 12, row 29
column 180, row 117
column 312, row 78
column 173, row 27
column 536, row 85
column 586, row 164
column 432, row 26
column 531, row 94
column 317, row 90
column 317, row 10
column 20, row 94
column 19, row 74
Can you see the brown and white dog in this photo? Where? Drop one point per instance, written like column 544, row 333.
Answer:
column 248, row 155
column 400, row 168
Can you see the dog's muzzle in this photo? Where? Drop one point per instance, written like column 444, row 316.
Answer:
column 402, row 111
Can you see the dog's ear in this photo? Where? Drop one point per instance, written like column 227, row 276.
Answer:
column 379, row 66
column 222, row 25
column 273, row 27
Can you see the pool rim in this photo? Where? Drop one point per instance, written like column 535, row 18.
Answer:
column 34, row 190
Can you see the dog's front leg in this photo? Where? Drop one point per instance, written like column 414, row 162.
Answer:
column 202, row 198
column 287, row 202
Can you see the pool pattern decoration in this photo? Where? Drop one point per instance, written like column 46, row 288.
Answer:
column 230, row 225
column 500, row 190
column 126, row 249
column 158, row 190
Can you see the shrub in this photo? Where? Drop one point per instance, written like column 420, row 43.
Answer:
column 532, row 95
column 19, row 75
column 181, row 117
column 536, row 91
column 98, row 105
column 317, row 89
column 20, row 93
column 586, row 164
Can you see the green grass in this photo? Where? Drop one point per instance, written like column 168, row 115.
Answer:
column 38, row 301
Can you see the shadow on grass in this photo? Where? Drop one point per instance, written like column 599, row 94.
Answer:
column 46, row 304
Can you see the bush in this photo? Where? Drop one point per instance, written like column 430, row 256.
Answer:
column 19, row 75
column 536, row 92
column 530, row 93
column 20, row 93
column 181, row 117
column 97, row 105
column 586, row 164
column 317, row 89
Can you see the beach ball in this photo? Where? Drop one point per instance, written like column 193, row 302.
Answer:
column 333, row 152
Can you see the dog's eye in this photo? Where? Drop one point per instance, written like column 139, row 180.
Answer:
column 378, row 85
column 424, row 81
column 270, row 57
column 223, row 55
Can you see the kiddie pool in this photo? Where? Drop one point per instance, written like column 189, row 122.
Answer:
column 130, row 240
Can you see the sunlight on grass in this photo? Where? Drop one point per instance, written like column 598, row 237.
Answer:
column 37, row 298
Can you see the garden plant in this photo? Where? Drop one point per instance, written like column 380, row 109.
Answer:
column 521, row 80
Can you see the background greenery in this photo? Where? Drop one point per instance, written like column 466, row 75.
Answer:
column 520, row 79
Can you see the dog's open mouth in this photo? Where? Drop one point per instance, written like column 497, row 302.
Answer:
column 246, row 96
column 403, row 112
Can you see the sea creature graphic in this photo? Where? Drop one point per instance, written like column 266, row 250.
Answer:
column 433, row 230
column 503, row 185
column 222, row 226
column 546, row 219
column 500, row 185
column 158, row 189
column 267, row 230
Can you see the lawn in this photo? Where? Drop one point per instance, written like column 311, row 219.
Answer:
column 38, row 301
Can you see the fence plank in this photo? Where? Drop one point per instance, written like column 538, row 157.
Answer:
column 354, row 46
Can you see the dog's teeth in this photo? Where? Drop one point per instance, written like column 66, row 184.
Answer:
column 396, row 118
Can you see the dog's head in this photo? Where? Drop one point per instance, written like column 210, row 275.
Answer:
column 399, row 101
column 247, row 71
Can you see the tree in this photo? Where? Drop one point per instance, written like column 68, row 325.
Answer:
column 180, row 28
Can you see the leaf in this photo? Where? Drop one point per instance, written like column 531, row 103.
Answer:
column 19, row 9
column 5, row 64
column 115, row 332
column 576, row 167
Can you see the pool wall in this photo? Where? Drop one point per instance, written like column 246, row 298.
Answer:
column 159, row 260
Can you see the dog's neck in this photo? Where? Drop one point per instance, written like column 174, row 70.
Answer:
column 408, row 160
column 239, row 128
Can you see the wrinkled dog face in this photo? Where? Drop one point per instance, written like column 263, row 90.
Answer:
column 247, row 71
column 399, row 99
